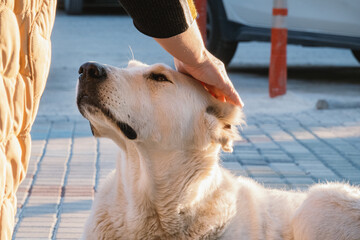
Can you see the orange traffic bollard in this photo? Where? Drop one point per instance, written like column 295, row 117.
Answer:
column 278, row 68
column 201, row 18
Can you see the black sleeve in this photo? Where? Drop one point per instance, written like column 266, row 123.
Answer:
column 161, row 18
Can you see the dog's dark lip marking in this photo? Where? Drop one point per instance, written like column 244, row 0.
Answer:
column 127, row 130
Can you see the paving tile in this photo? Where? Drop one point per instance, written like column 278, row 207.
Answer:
column 289, row 151
column 287, row 168
column 270, row 180
column 232, row 165
column 261, row 171
column 68, row 235
column 255, row 161
column 34, row 235
column 235, row 168
column 230, row 157
column 300, row 180
column 282, row 186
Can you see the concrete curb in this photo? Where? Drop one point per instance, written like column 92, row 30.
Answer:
column 335, row 104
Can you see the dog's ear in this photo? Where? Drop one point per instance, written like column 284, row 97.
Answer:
column 221, row 120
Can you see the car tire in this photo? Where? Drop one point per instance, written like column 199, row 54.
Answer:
column 73, row 6
column 356, row 54
column 223, row 50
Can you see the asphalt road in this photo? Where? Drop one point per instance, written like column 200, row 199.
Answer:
column 314, row 73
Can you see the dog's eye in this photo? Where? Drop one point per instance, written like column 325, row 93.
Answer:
column 159, row 77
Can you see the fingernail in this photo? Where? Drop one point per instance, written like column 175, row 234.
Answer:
column 242, row 103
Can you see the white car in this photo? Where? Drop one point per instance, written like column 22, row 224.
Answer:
column 330, row 23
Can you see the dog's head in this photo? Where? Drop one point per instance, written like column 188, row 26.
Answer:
column 154, row 105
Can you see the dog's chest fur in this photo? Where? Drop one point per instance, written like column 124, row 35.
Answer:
column 141, row 219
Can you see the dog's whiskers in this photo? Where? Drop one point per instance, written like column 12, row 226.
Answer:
column 132, row 53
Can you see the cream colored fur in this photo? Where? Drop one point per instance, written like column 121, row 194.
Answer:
column 169, row 183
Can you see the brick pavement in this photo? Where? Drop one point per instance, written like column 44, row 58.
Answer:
column 283, row 151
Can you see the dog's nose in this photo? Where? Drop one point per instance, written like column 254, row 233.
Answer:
column 93, row 70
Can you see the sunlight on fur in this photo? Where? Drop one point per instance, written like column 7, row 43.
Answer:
column 168, row 183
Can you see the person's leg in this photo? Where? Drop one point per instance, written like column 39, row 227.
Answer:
column 25, row 51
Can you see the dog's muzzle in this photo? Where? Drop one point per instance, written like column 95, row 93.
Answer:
column 92, row 74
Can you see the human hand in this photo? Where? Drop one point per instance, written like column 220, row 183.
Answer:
column 212, row 73
column 192, row 58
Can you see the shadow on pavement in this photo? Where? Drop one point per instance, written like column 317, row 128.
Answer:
column 313, row 73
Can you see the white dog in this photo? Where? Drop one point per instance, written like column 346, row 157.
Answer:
column 168, row 183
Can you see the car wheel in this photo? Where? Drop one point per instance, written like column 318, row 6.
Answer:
column 356, row 54
column 73, row 6
column 214, row 43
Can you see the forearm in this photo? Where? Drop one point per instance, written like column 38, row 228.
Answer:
column 187, row 47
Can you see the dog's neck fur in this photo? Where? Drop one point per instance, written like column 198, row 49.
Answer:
column 161, row 197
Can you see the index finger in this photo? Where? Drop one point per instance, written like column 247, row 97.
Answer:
column 231, row 94
column 221, row 95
